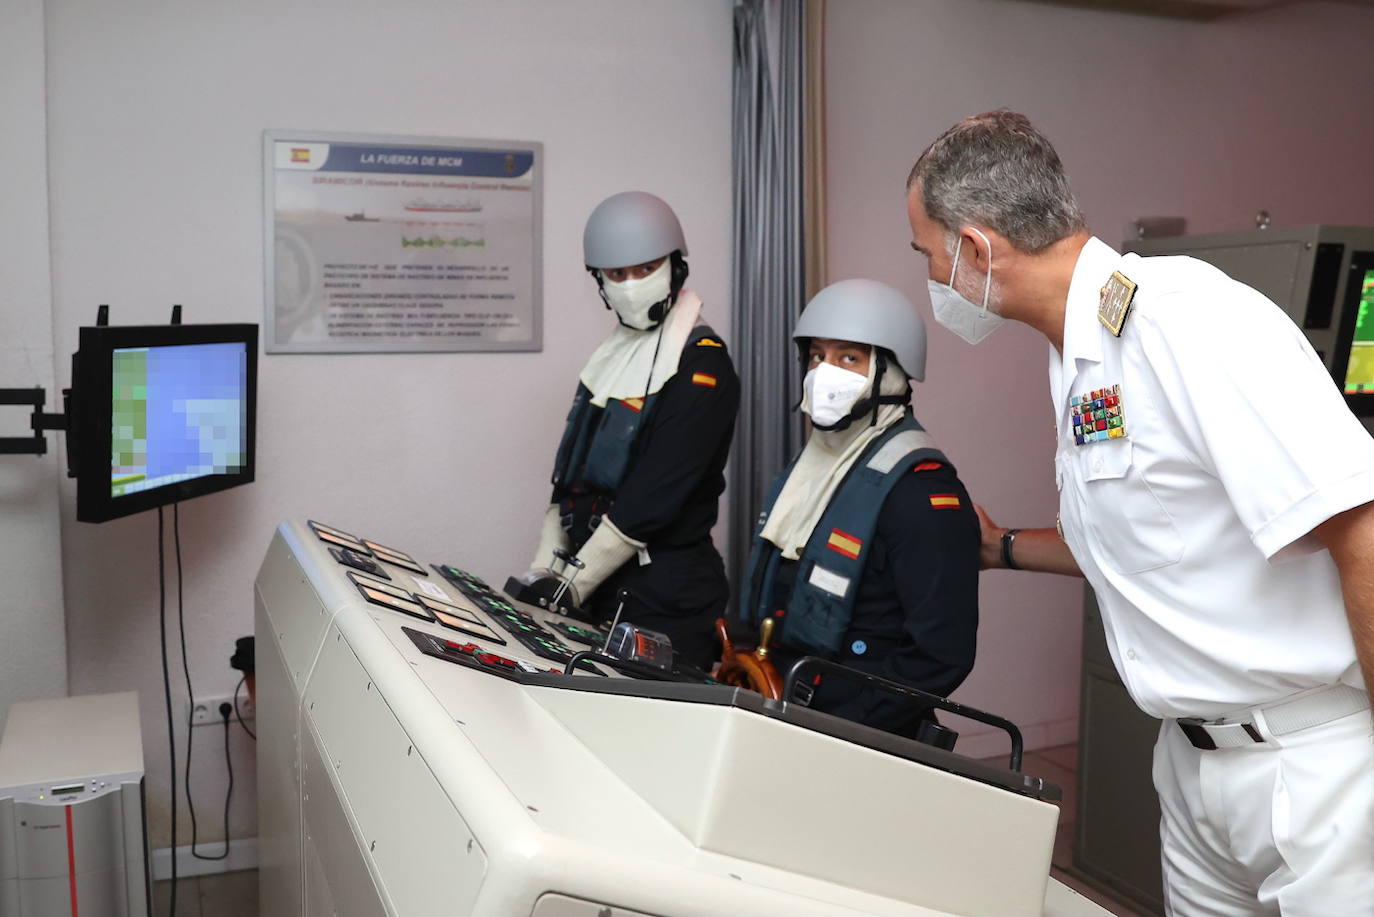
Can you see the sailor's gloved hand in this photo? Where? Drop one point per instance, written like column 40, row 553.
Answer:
column 551, row 537
column 604, row 553
column 542, row 585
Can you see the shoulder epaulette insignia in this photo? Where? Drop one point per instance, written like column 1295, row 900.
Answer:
column 945, row 501
column 928, row 466
column 710, row 342
column 1114, row 302
column 705, row 379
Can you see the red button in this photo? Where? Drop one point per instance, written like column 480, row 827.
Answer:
column 493, row 659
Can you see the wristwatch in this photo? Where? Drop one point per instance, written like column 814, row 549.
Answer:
column 1008, row 539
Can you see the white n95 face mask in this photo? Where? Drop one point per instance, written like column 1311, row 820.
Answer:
column 831, row 393
column 956, row 313
column 634, row 300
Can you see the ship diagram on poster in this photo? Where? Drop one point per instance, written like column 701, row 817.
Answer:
column 379, row 244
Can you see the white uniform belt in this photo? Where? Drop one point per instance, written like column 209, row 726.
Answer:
column 1291, row 714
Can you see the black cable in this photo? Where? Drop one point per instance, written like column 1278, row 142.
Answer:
column 167, row 693
column 653, row 362
column 190, row 691
column 250, row 732
column 224, row 711
column 191, row 696
column 229, row 793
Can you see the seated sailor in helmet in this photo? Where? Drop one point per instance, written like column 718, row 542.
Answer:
column 639, row 470
column 866, row 551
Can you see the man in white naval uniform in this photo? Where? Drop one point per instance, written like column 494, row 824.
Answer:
column 1216, row 492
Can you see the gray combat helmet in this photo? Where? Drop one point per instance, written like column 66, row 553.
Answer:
column 629, row 228
column 867, row 312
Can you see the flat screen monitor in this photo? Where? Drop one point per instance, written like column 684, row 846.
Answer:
column 1354, row 351
column 160, row 414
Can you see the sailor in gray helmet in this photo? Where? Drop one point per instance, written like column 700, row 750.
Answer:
column 640, row 468
column 866, row 552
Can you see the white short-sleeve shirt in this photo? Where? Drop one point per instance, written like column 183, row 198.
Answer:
column 1193, row 523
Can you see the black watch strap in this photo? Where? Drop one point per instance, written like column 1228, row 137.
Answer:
column 1008, row 559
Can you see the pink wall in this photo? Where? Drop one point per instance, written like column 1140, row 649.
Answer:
column 1212, row 122
column 453, row 461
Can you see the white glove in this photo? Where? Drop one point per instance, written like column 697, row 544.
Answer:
column 551, row 536
column 604, row 553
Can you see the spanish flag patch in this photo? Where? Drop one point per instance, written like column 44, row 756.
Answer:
column 844, row 543
column 945, row 501
column 634, row 404
column 927, row 466
column 709, row 342
column 704, row 379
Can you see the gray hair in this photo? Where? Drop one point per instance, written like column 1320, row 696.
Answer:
column 997, row 170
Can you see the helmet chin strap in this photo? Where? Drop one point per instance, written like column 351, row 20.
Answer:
column 659, row 310
column 871, row 403
column 600, row 284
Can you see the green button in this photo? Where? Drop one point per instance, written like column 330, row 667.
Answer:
column 1113, row 421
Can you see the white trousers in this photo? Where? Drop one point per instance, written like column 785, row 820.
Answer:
column 1285, row 827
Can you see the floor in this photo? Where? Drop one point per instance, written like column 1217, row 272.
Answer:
column 228, row 894
column 235, row 894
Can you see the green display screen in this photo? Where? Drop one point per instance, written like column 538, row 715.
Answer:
column 1359, row 370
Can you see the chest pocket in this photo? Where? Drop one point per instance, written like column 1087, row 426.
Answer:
column 608, row 458
column 1129, row 523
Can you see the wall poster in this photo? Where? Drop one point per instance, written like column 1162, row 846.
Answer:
column 387, row 244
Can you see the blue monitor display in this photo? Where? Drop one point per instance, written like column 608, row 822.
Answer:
column 179, row 412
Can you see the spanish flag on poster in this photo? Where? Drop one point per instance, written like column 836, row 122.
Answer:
column 845, row 544
column 300, row 154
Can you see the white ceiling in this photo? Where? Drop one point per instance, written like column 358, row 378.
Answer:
column 1189, row 9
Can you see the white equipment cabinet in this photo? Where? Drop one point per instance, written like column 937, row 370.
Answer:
column 396, row 784
column 72, row 821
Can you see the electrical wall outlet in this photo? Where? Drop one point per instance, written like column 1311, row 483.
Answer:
column 204, row 711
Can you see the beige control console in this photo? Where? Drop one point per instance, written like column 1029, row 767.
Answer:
column 408, row 768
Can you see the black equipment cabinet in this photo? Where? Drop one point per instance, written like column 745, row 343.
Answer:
column 1117, row 837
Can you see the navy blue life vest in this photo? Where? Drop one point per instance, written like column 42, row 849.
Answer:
column 831, row 565
column 594, row 453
